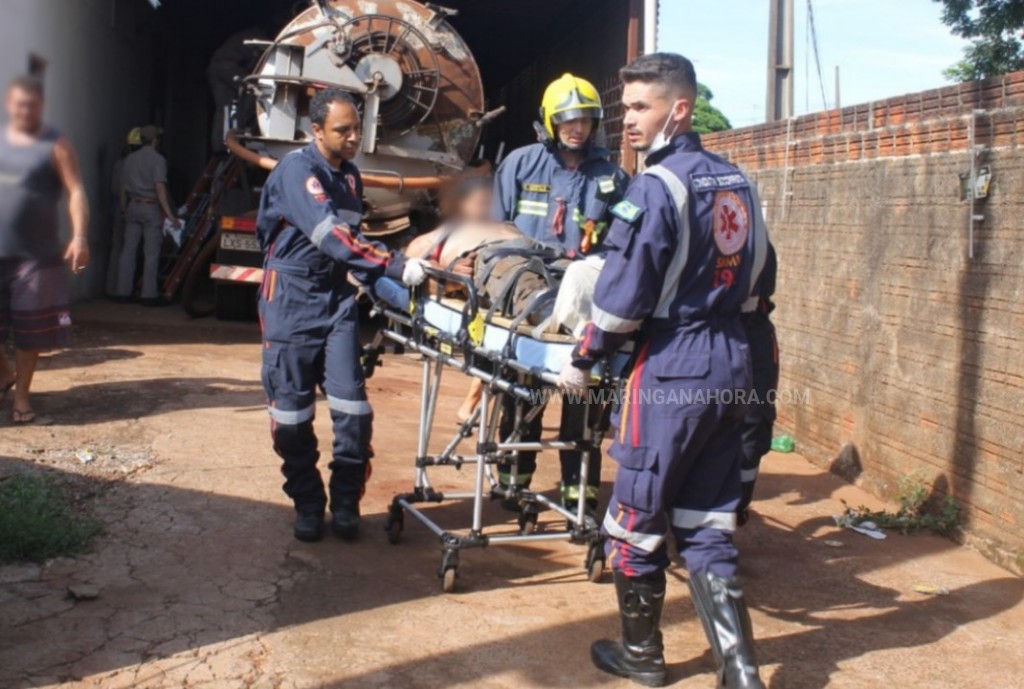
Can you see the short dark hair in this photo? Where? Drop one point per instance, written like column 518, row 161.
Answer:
column 322, row 100
column 28, row 84
column 669, row 69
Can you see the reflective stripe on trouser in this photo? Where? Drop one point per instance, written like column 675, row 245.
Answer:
column 686, row 478
column 571, row 492
column 292, row 372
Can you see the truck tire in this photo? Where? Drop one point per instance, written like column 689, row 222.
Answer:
column 197, row 291
column 236, row 301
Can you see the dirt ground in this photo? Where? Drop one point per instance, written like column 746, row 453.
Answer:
column 201, row 584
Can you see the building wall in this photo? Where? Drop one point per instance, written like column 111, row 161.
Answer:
column 908, row 350
column 97, row 62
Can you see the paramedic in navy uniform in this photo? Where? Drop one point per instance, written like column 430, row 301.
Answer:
column 559, row 192
column 684, row 254
column 308, row 229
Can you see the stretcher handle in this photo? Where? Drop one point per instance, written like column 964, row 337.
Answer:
column 472, row 302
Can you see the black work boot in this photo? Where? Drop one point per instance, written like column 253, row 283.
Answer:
column 309, row 525
column 345, row 519
column 723, row 612
column 640, row 656
column 743, row 510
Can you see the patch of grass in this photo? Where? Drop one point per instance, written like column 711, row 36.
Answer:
column 919, row 510
column 37, row 521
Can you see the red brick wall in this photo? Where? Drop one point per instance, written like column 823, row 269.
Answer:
column 910, row 352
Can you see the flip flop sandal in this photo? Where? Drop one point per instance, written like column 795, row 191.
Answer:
column 23, row 418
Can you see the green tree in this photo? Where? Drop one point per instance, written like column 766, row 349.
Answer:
column 706, row 117
column 995, row 29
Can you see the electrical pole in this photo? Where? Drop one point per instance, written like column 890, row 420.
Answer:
column 837, row 105
column 780, row 60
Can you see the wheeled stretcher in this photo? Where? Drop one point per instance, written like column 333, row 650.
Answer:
column 512, row 362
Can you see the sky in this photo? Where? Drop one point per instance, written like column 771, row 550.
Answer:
column 883, row 48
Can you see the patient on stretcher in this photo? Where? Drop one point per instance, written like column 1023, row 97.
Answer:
column 505, row 264
column 508, row 267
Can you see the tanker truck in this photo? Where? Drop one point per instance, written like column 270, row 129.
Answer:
column 423, row 114
column 422, row 107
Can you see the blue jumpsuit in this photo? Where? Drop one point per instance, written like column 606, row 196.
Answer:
column 559, row 207
column 308, row 229
column 764, row 358
column 684, row 251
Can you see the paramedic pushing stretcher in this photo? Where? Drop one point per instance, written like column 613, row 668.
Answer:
column 559, row 192
column 308, row 229
column 684, row 253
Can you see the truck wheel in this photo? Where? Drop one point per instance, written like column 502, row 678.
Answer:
column 236, row 302
column 197, row 292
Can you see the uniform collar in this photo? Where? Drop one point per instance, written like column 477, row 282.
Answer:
column 689, row 141
column 318, row 157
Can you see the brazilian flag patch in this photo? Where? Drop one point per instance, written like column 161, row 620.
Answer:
column 627, row 210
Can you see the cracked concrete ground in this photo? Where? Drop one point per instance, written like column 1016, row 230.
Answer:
column 201, row 585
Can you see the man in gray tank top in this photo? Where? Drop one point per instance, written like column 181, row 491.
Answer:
column 146, row 203
column 37, row 165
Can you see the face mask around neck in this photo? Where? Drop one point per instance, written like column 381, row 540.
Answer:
column 663, row 138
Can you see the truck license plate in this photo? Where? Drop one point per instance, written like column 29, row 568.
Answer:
column 237, row 241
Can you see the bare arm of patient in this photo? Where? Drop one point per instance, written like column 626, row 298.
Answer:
column 461, row 243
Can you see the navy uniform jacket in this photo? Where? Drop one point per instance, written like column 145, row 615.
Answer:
column 309, row 222
column 685, row 250
column 550, row 202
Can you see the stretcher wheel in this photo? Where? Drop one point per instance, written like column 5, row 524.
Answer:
column 527, row 523
column 448, row 580
column 595, row 570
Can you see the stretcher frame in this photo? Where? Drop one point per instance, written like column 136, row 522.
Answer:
column 503, row 376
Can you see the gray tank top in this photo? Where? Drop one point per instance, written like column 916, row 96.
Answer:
column 30, row 195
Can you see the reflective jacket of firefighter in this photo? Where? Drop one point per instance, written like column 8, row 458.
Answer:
column 308, row 229
column 556, row 205
column 684, row 253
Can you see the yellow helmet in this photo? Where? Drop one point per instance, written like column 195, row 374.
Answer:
column 569, row 98
column 135, row 137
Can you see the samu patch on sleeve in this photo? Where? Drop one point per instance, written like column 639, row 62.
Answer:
column 315, row 189
column 628, row 211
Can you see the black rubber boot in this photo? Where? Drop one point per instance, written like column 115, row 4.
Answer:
column 640, row 656
column 309, row 525
column 345, row 520
column 723, row 612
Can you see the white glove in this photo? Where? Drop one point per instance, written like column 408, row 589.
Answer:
column 173, row 228
column 573, row 379
column 414, row 272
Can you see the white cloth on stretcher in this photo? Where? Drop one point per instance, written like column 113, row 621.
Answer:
column 575, row 301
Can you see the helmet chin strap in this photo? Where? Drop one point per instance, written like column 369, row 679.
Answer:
column 575, row 149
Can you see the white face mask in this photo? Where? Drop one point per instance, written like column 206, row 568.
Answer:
column 663, row 138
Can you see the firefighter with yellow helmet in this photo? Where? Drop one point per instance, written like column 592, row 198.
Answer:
column 560, row 191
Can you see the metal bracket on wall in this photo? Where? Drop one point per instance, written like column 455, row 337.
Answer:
column 973, row 187
column 786, row 193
